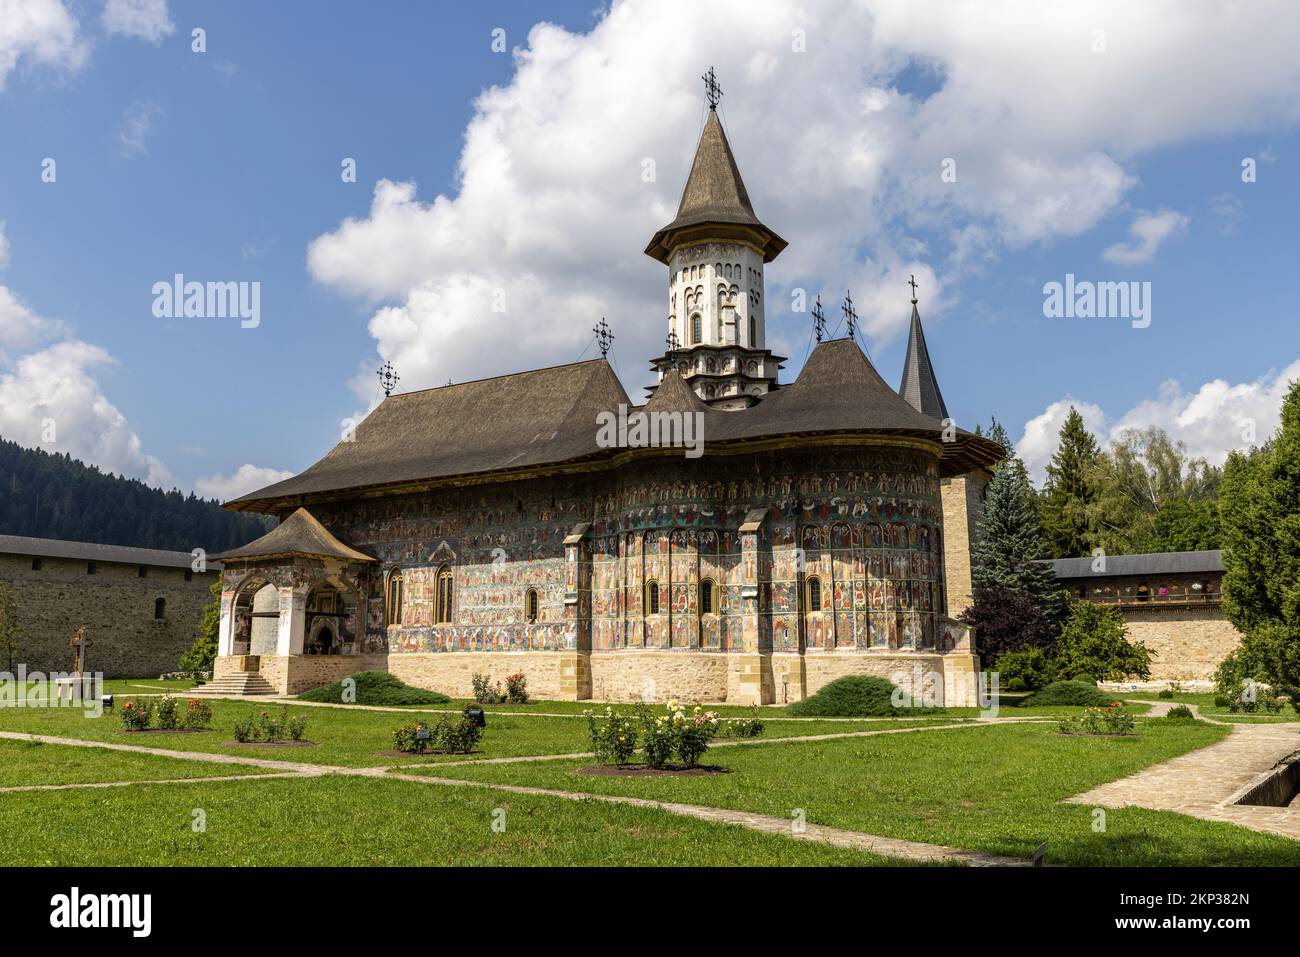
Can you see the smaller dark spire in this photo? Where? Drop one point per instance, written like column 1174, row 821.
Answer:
column 920, row 386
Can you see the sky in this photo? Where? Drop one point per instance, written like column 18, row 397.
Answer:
column 512, row 160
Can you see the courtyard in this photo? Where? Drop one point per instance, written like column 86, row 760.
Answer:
column 956, row 788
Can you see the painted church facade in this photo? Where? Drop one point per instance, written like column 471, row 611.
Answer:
column 483, row 528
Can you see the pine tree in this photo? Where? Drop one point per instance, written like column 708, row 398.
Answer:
column 1068, row 491
column 1261, row 558
column 1010, row 540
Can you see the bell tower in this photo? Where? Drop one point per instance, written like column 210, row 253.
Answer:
column 715, row 251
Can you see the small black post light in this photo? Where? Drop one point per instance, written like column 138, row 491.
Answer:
column 476, row 716
column 107, row 701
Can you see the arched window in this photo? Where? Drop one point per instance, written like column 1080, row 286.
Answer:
column 159, row 609
column 442, row 614
column 814, row 593
column 753, row 333
column 652, row 598
column 706, row 596
column 396, row 586
column 530, row 605
column 696, row 332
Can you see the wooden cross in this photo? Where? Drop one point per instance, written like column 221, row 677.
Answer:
column 712, row 91
column 819, row 319
column 912, row 282
column 80, row 641
column 850, row 314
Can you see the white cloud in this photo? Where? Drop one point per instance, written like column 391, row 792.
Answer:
column 20, row 328
column 137, row 121
column 4, row 246
column 54, row 389
column 247, row 478
column 1147, row 233
column 147, row 19
column 1211, row 421
column 552, row 208
column 40, row 32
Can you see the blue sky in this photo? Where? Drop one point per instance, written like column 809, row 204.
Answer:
column 225, row 166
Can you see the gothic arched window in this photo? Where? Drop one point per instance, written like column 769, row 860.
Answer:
column 652, row 597
column 396, row 585
column 530, row 605
column 706, row 596
column 696, row 331
column 814, row 593
column 753, row 333
column 442, row 611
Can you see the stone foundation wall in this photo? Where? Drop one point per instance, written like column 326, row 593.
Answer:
column 1188, row 643
column 115, row 605
column 450, row 673
column 659, row 675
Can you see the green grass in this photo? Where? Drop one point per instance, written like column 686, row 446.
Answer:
column 337, row 820
column 176, row 686
column 994, row 789
column 351, row 737
column 1204, row 701
column 373, row 688
column 32, row 762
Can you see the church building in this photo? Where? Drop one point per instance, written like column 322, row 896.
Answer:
column 485, row 527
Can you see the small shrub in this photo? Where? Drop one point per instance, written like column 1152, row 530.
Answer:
column 409, row 740
column 741, row 728
column 517, row 688
column 1069, row 693
column 695, row 731
column 1166, row 693
column 375, row 688
column 136, row 716
column 244, row 729
column 297, row 726
column 613, row 736
column 1026, row 670
column 1180, row 713
column 168, row 714
column 198, row 714
column 658, row 738
column 268, row 728
column 1112, row 719
column 853, row 696
column 485, row 692
column 457, row 735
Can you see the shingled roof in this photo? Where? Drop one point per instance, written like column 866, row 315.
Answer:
column 94, row 552
column 920, row 386
column 1155, row 563
column 299, row 534
column 715, row 196
column 547, row 419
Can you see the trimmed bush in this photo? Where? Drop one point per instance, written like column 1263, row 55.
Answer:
column 1180, row 713
column 853, row 696
column 1166, row 693
column 373, row 687
column 1083, row 693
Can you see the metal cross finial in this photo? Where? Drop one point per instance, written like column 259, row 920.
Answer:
column 912, row 282
column 819, row 319
column 850, row 314
column 712, row 91
column 388, row 378
column 603, row 337
column 673, row 343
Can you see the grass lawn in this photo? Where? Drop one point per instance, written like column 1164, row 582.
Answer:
column 994, row 789
column 338, row 820
column 1204, row 701
column 352, row 737
column 31, row 762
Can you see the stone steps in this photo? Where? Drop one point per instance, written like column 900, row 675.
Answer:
column 240, row 683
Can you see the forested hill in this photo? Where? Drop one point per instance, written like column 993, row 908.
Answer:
column 45, row 495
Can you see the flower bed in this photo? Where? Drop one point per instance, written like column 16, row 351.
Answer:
column 448, row 736
column 138, row 716
column 1111, row 720
column 615, row 737
column 265, row 729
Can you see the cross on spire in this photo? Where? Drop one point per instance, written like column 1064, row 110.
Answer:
column 712, row 92
column 912, row 282
column 388, row 379
column 850, row 314
column 819, row 319
column 673, row 343
column 603, row 337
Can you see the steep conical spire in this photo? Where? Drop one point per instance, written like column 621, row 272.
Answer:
column 920, row 387
column 715, row 196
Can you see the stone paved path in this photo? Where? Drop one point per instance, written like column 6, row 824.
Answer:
column 1206, row 783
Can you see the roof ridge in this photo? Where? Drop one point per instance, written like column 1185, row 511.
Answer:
column 500, row 375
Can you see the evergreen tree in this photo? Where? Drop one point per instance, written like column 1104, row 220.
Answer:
column 1010, row 541
column 1068, row 491
column 1261, row 540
